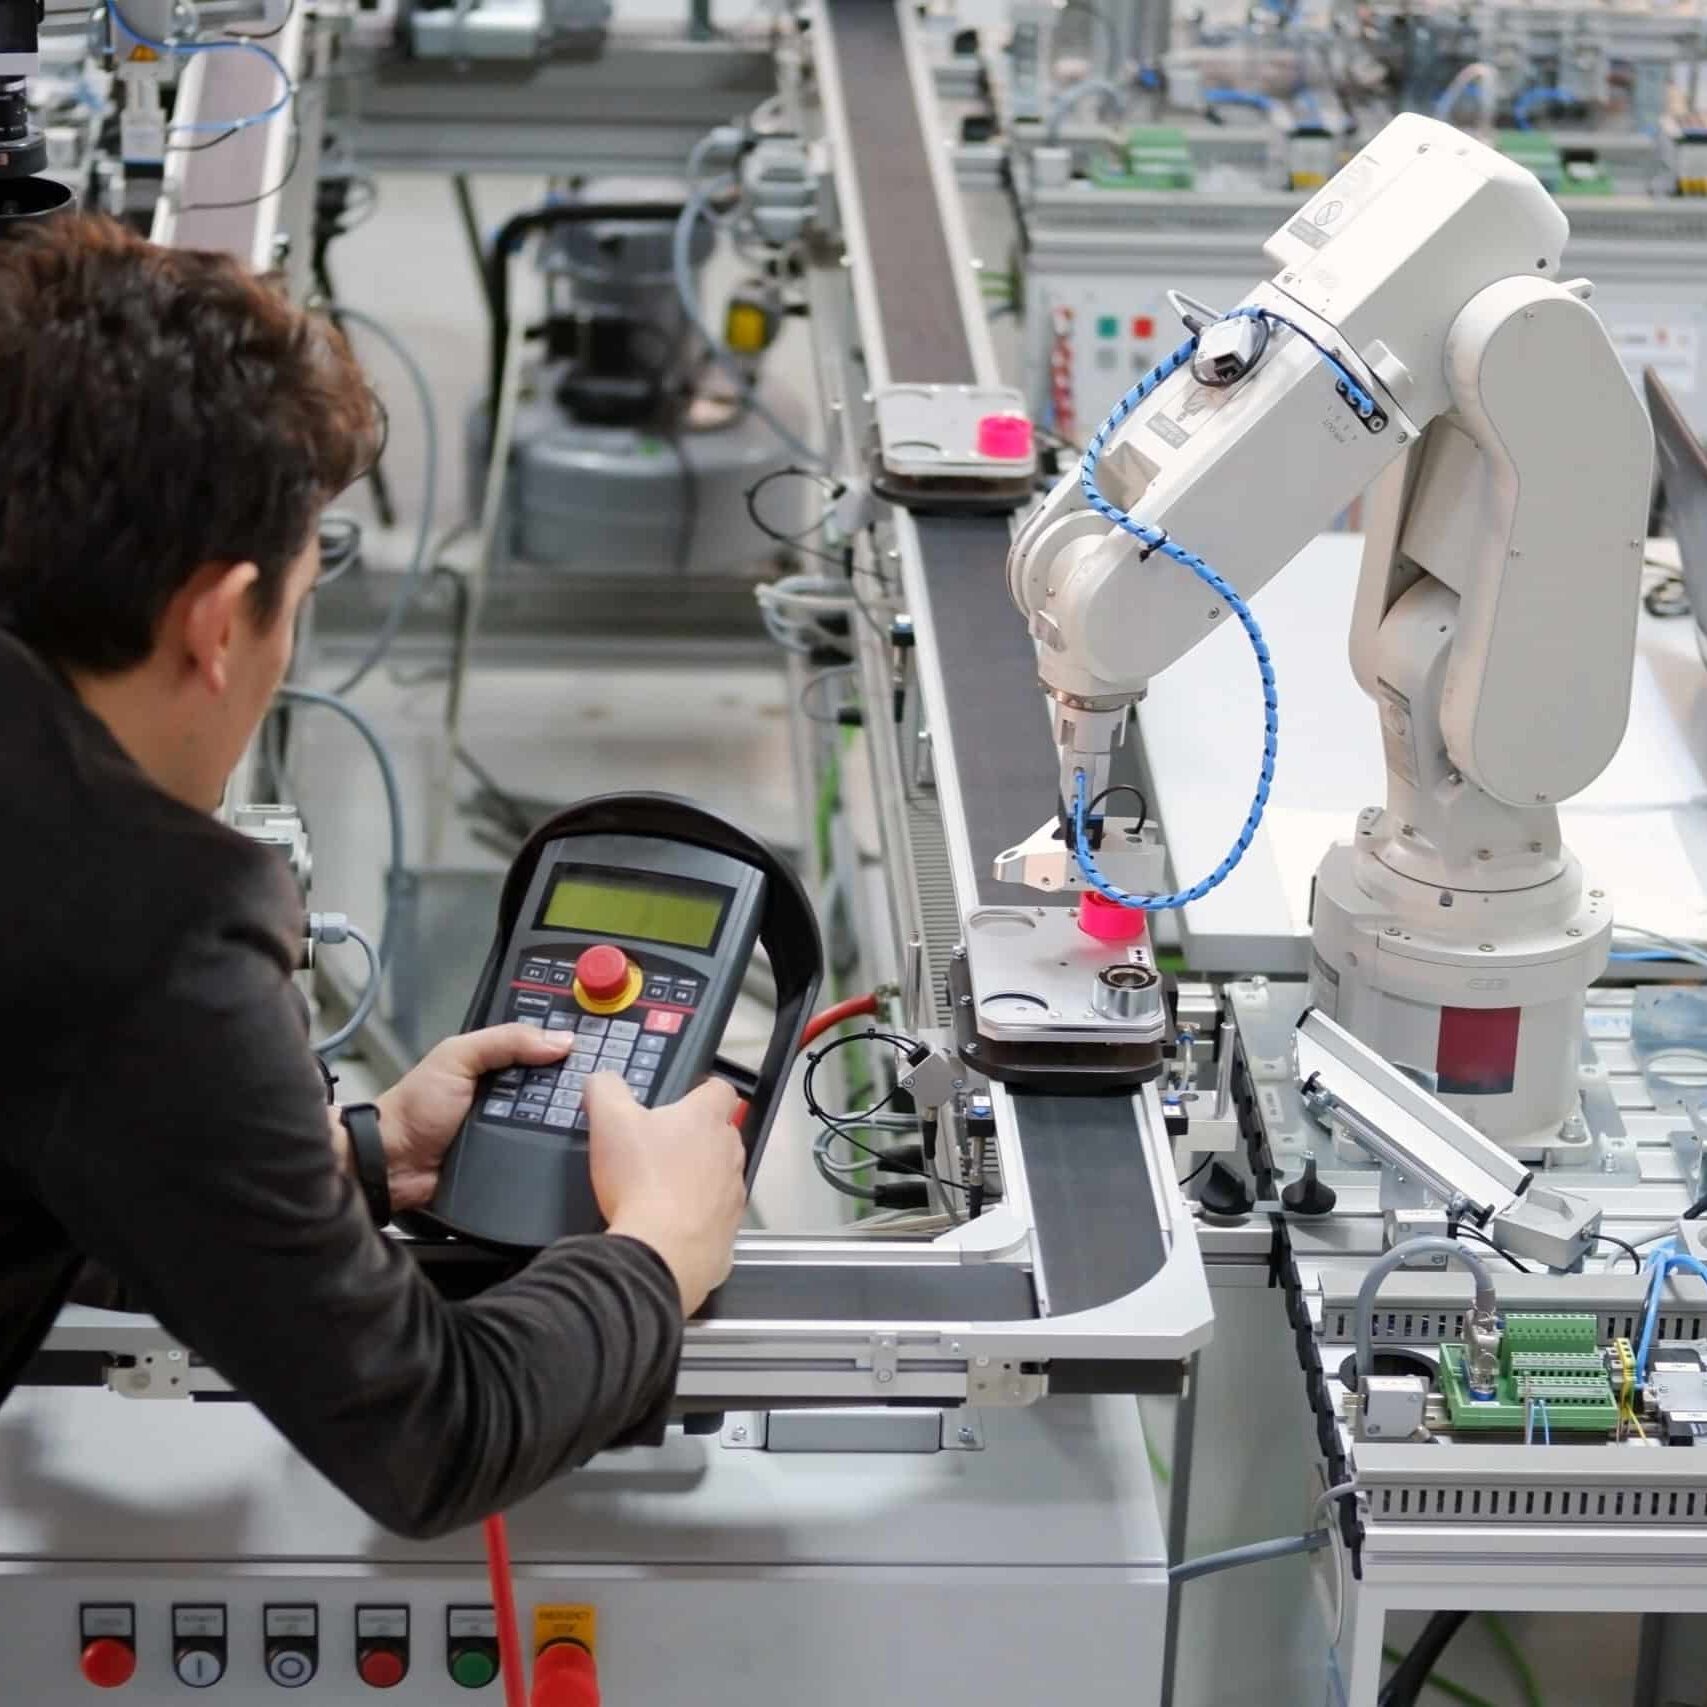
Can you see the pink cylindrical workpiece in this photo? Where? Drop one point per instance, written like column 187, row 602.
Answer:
column 1108, row 921
column 1005, row 436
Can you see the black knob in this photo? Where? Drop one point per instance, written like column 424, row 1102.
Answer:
column 1225, row 1195
column 1307, row 1195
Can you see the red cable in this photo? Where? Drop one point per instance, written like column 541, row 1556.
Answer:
column 830, row 1018
column 504, row 1606
column 497, row 1537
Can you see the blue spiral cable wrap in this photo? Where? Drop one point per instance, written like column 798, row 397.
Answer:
column 235, row 45
column 1154, row 540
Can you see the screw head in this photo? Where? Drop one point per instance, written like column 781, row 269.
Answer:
column 965, row 1435
column 1392, row 930
column 737, row 1433
column 1597, row 894
column 1573, row 931
column 1487, row 948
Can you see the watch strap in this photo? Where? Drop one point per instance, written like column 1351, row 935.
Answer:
column 367, row 1148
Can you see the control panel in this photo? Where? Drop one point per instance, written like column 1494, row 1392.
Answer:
column 634, row 948
column 324, row 1650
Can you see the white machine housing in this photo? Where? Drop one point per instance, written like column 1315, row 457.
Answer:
column 1496, row 615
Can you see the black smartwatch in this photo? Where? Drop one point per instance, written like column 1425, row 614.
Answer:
column 367, row 1148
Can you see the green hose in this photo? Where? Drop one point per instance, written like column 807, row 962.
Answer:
column 1445, row 1685
column 1521, row 1669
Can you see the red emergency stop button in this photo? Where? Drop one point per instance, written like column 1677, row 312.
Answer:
column 107, row 1662
column 381, row 1668
column 603, row 972
column 565, row 1675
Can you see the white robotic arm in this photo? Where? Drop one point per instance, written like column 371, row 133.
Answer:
column 1495, row 618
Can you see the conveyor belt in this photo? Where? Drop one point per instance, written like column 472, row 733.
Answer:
column 1097, row 1236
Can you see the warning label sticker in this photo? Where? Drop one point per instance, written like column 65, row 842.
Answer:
column 1668, row 342
column 1324, row 986
column 1398, row 733
column 1175, row 423
column 1337, row 204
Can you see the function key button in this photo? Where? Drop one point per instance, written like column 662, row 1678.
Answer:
column 509, row 1078
column 530, row 1002
column 665, row 1020
column 541, row 1075
column 498, row 1108
column 616, row 1049
column 640, row 1078
column 685, row 994
column 534, row 1096
column 537, row 1021
column 530, row 1111
column 560, row 1021
column 657, row 989
column 592, row 1026
column 561, row 975
column 560, row 1119
column 650, row 1045
column 624, row 1028
column 570, row 1100
column 583, row 1061
column 572, row 1082
column 535, row 971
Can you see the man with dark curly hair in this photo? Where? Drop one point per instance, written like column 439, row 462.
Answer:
column 170, row 429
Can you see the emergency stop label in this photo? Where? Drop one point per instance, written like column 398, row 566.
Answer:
column 566, row 1624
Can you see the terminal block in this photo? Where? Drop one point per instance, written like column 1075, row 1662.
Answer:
column 1553, row 1361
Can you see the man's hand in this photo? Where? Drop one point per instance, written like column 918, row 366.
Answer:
column 425, row 1109
column 671, row 1177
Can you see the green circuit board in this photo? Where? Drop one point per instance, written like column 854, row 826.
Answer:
column 1554, row 1361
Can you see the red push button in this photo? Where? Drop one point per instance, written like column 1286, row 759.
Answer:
column 665, row 1020
column 564, row 1675
column 381, row 1668
column 603, row 972
column 108, row 1663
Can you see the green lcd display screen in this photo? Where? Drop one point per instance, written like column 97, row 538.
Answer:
column 683, row 915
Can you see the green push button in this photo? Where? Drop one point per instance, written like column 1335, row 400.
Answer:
column 1108, row 326
column 473, row 1668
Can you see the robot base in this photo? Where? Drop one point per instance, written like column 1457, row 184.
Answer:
column 1481, row 999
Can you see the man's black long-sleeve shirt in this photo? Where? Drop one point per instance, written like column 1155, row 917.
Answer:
column 162, row 1116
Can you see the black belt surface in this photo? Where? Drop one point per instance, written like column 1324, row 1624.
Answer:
column 1095, row 1215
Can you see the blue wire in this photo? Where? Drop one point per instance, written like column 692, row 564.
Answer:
column 1648, row 954
column 1236, row 98
column 1665, row 1260
column 185, row 49
column 1533, row 98
column 1154, row 540
column 1546, row 1423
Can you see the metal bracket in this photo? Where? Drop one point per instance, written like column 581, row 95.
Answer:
column 153, row 1375
column 1131, row 857
column 1414, row 1133
column 992, row 1383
